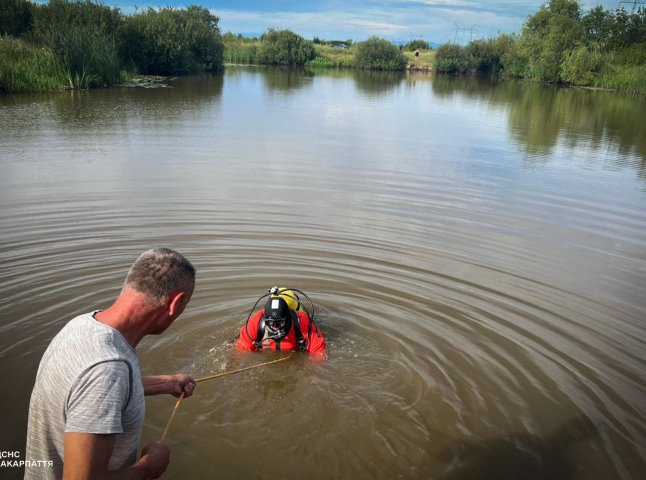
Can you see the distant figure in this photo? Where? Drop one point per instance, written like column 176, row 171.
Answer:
column 416, row 54
column 282, row 325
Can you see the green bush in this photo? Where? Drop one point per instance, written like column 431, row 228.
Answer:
column 15, row 17
column 484, row 56
column 172, row 41
column 417, row 45
column 284, row 47
column 25, row 68
column 379, row 54
column 452, row 58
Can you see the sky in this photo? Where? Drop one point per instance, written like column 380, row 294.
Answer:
column 436, row 21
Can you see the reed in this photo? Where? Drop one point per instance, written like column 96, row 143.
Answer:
column 241, row 51
column 625, row 78
column 25, row 68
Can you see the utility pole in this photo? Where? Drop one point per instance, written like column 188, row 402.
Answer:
column 459, row 29
column 633, row 2
column 471, row 30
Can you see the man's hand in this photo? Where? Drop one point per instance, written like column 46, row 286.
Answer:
column 171, row 384
column 183, row 383
column 87, row 456
column 155, row 458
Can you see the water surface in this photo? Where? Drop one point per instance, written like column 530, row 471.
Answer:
column 476, row 252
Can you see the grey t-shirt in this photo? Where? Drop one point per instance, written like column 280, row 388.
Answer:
column 88, row 381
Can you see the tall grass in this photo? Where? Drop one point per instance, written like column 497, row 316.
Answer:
column 240, row 50
column 330, row 57
column 627, row 78
column 89, row 58
column 25, row 68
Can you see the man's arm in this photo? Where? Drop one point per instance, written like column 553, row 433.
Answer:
column 87, row 456
column 169, row 384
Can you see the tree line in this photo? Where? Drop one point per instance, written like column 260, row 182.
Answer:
column 561, row 44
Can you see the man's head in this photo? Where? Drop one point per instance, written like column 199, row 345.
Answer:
column 277, row 316
column 160, row 272
column 166, row 280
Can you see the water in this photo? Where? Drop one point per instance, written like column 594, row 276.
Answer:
column 476, row 252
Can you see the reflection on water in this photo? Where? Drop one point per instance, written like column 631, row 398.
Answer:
column 540, row 117
column 476, row 250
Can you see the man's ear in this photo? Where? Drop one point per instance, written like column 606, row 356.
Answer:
column 176, row 304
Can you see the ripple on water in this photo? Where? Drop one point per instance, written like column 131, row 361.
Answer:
column 487, row 321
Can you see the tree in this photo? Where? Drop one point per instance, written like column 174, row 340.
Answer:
column 547, row 35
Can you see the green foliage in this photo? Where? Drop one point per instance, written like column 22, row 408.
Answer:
column 333, row 43
column 25, row 68
column 632, row 55
column 332, row 57
column 625, row 78
column 452, row 58
column 172, row 41
column 59, row 14
column 486, row 55
column 240, row 50
column 582, row 65
column 284, row 47
column 82, row 35
column 15, row 17
column 417, row 45
column 379, row 54
column 547, row 35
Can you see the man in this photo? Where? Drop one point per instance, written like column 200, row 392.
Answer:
column 281, row 325
column 87, row 405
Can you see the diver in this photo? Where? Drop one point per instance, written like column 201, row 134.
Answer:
column 284, row 324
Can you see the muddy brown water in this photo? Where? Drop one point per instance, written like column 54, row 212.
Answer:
column 476, row 253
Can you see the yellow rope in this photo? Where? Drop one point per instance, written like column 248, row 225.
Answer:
column 211, row 377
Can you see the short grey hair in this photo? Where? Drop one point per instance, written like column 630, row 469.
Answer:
column 158, row 272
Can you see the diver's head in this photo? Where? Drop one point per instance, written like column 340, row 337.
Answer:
column 276, row 317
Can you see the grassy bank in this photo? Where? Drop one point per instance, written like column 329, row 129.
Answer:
column 84, row 44
column 563, row 45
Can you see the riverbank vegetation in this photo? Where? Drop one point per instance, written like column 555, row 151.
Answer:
column 82, row 44
column 284, row 47
column 561, row 44
column 71, row 44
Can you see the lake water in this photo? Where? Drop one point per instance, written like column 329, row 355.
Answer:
column 476, row 253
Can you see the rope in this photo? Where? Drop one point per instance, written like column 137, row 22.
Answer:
column 211, row 377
